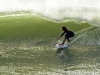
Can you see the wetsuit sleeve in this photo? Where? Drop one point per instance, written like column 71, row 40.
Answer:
column 62, row 34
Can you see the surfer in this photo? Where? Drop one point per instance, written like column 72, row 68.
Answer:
column 68, row 34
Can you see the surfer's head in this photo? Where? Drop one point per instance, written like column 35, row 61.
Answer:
column 64, row 28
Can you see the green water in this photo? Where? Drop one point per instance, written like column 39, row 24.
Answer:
column 27, row 47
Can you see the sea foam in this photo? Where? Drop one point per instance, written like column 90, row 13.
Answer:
column 57, row 10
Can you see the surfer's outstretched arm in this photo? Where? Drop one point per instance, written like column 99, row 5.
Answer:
column 63, row 42
column 62, row 34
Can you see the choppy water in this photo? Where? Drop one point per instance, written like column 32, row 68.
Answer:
column 29, row 57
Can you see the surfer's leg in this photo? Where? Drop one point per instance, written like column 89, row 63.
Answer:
column 68, row 40
column 71, row 35
column 67, row 37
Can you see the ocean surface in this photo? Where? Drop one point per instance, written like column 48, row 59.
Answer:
column 29, row 31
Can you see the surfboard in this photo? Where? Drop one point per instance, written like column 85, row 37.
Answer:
column 61, row 46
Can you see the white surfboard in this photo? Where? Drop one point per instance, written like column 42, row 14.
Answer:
column 62, row 46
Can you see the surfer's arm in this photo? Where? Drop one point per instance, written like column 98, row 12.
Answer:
column 63, row 42
column 62, row 34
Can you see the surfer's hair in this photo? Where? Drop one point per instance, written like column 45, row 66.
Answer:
column 64, row 28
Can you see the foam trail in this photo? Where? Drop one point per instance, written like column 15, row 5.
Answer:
column 57, row 9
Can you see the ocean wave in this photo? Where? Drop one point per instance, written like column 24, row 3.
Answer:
column 57, row 10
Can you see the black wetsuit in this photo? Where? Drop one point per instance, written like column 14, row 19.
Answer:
column 68, row 34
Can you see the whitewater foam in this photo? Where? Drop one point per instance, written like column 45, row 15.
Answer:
column 82, row 10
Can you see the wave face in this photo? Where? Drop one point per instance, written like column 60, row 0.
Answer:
column 24, row 50
column 57, row 10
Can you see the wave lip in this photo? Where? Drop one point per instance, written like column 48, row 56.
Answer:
column 56, row 10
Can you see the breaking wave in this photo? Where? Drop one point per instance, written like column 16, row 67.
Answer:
column 81, row 10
